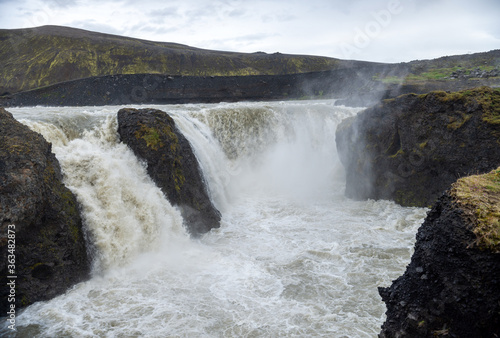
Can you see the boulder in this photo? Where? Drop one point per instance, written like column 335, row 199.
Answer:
column 451, row 286
column 411, row 148
column 43, row 251
column 153, row 137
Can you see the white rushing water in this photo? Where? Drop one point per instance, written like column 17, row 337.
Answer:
column 293, row 256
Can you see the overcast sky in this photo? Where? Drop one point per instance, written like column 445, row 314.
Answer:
column 372, row 30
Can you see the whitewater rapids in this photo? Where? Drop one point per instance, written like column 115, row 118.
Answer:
column 293, row 256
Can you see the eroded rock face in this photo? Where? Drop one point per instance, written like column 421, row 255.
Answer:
column 171, row 163
column 410, row 149
column 451, row 287
column 41, row 238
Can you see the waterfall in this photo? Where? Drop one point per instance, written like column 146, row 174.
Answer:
column 280, row 148
column 293, row 256
column 123, row 211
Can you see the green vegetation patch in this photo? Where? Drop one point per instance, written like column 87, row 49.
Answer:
column 156, row 138
column 150, row 135
column 486, row 97
column 480, row 195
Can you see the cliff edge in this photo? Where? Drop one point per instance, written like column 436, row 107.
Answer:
column 451, row 286
column 412, row 148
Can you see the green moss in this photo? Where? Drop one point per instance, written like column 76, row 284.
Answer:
column 490, row 101
column 177, row 170
column 150, row 135
column 36, row 265
column 407, row 198
column 456, row 122
column 400, row 152
column 178, row 175
column 156, row 138
column 24, row 300
column 480, row 196
column 485, row 97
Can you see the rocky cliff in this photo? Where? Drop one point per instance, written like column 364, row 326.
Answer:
column 171, row 163
column 451, row 287
column 42, row 245
column 411, row 148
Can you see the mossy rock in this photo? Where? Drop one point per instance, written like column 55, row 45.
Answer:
column 171, row 163
column 411, row 149
column 50, row 249
column 480, row 196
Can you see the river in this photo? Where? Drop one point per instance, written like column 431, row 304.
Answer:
column 293, row 257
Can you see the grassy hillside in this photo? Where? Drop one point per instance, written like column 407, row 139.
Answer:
column 480, row 196
column 37, row 57
column 448, row 68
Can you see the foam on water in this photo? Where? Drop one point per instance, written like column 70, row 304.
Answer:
column 293, row 256
column 124, row 212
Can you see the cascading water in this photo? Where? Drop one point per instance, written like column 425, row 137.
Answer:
column 293, row 257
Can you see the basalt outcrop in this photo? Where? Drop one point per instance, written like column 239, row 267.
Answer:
column 42, row 246
column 172, row 89
column 411, row 148
column 451, row 286
column 153, row 137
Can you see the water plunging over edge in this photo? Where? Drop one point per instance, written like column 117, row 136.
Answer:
column 292, row 257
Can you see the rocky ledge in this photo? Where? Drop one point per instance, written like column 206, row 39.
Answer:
column 153, row 136
column 42, row 245
column 412, row 148
column 451, row 287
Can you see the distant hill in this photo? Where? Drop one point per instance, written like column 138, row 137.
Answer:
column 37, row 57
column 53, row 65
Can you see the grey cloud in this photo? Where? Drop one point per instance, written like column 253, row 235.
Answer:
column 60, row 3
column 236, row 13
column 165, row 12
column 5, row 2
column 199, row 13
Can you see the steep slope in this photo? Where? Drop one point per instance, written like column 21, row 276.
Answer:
column 41, row 56
column 410, row 149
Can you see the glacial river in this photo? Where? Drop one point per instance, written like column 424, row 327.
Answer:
column 293, row 257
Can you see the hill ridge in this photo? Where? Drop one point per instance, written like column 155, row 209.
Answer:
column 41, row 56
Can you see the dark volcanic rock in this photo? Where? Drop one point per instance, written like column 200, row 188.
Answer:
column 451, row 287
column 410, row 149
column 169, row 89
column 171, row 163
column 40, row 225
